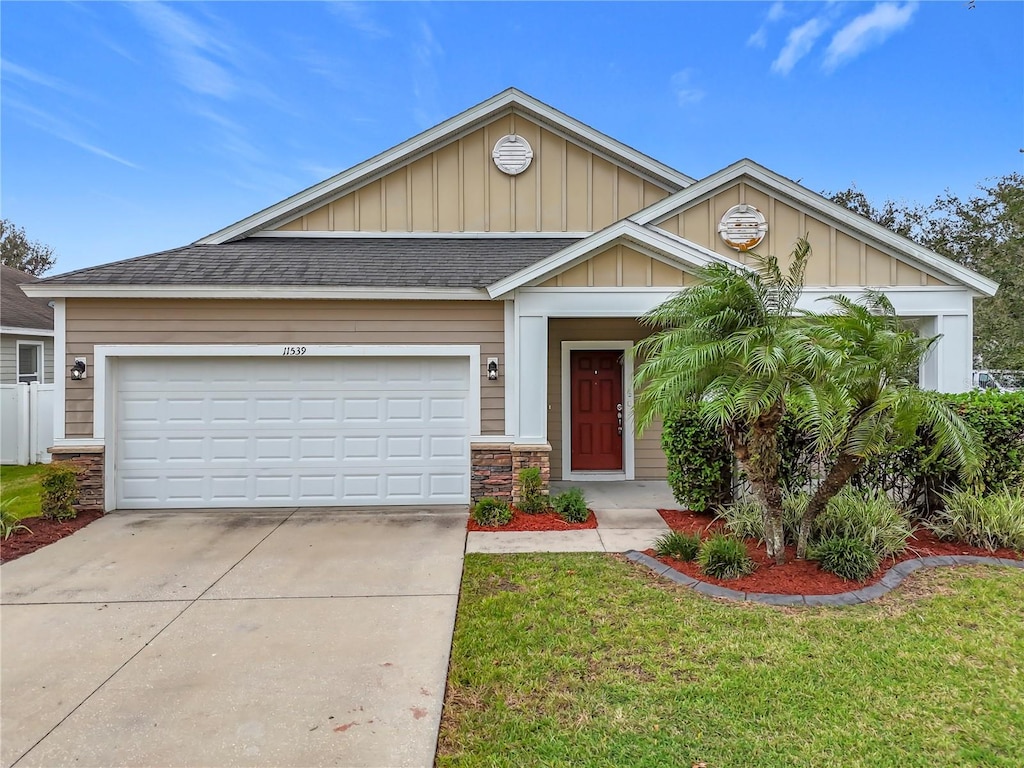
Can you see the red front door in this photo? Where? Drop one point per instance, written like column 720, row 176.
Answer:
column 596, row 389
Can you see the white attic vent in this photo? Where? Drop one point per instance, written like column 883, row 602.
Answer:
column 742, row 227
column 512, row 154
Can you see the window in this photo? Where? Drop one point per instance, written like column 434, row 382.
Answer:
column 30, row 362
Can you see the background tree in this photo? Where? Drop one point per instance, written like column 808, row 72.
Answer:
column 17, row 251
column 984, row 233
column 736, row 345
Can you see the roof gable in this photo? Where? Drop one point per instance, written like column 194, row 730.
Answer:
column 843, row 220
column 18, row 310
column 508, row 102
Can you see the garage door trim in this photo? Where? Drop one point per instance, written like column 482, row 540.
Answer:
column 104, row 370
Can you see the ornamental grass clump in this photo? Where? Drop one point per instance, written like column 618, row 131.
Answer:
column 681, row 546
column 724, row 557
column 492, row 512
column 848, row 558
column 869, row 516
column 571, row 506
column 745, row 518
column 9, row 524
column 991, row 522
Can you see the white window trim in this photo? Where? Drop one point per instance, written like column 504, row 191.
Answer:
column 105, row 359
column 628, row 438
column 40, row 361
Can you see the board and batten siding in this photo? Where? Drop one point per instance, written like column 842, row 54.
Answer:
column 649, row 460
column 458, row 188
column 837, row 258
column 9, row 357
column 620, row 267
column 201, row 321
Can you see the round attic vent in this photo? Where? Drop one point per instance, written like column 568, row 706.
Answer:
column 742, row 227
column 512, row 154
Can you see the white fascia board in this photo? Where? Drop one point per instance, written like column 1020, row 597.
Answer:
column 259, row 292
column 683, row 252
column 15, row 331
column 506, row 100
column 320, row 235
column 856, row 224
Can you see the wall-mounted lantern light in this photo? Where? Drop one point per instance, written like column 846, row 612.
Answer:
column 78, row 369
column 492, row 369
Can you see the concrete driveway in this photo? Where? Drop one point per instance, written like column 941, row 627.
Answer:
column 293, row 637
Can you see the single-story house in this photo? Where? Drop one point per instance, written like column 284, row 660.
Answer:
column 26, row 332
column 417, row 328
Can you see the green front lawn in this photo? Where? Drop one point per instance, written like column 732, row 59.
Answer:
column 586, row 660
column 21, row 486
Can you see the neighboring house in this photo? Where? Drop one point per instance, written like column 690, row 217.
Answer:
column 417, row 328
column 26, row 332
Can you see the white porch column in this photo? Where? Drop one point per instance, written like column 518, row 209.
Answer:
column 532, row 378
column 948, row 367
column 929, row 372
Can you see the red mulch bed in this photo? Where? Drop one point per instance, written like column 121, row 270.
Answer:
column 43, row 532
column 542, row 521
column 802, row 577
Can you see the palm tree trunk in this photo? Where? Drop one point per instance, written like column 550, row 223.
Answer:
column 758, row 453
column 839, row 474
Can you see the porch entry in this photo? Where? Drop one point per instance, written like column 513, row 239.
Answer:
column 596, row 409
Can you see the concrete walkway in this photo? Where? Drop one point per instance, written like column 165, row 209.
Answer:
column 627, row 519
column 285, row 637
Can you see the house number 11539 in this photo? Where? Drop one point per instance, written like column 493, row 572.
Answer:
column 291, row 351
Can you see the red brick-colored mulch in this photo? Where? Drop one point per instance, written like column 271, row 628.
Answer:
column 43, row 532
column 802, row 577
column 542, row 521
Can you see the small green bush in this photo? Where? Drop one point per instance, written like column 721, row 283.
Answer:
column 869, row 516
column 724, row 557
column 698, row 458
column 533, row 500
column 59, row 485
column 682, row 546
column 982, row 521
column 9, row 524
column 492, row 512
column 571, row 506
column 746, row 518
column 848, row 558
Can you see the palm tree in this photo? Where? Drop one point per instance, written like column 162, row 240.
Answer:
column 736, row 344
column 880, row 406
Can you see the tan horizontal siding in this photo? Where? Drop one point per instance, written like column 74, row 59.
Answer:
column 206, row 321
column 649, row 460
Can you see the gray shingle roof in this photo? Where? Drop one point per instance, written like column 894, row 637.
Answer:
column 16, row 309
column 350, row 262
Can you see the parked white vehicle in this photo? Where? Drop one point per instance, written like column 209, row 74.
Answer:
column 1000, row 381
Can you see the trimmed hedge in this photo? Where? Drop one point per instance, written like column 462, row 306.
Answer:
column 699, row 460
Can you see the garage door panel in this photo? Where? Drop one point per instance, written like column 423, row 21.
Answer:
column 269, row 432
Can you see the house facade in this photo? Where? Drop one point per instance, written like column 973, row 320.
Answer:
column 414, row 330
column 26, row 332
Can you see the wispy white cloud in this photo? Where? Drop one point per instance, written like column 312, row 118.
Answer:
column 63, row 130
column 799, row 43
column 357, row 15
column 866, row 31
column 198, row 55
column 12, row 71
column 760, row 37
column 686, row 92
column 426, row 50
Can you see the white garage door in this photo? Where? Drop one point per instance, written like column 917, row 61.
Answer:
column 321, row 431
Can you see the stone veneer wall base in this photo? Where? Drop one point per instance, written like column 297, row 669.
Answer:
column 89, row 460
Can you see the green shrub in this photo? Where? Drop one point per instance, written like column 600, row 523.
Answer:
column 982, row 521
column 59, row 485
column 746, row 518
column 867, row 516
column 724, row 557
column 682, row 546
column 492, row 512
column 9, row 524
column 533, row 499
column 698, row 458
column 571, row 506
column 847, row 558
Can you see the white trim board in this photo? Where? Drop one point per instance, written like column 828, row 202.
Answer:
column 628, row 437
column 13, row 330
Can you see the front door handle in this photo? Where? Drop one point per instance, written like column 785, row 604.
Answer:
column 618, row 416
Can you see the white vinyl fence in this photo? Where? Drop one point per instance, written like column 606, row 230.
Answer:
column 26, row 423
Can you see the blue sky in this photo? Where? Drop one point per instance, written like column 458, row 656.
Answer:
column 130, row 128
